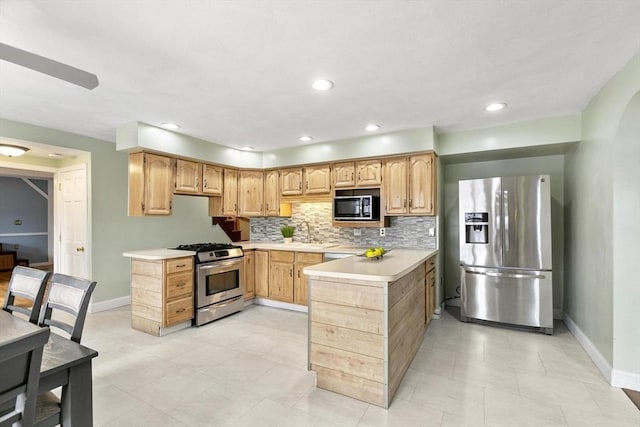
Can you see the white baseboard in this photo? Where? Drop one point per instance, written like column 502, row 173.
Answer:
column 624, row 379
column 598, row 359
column 280, row 304
column 96, row 307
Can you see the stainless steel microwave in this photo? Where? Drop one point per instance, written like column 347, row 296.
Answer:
column 356, row 208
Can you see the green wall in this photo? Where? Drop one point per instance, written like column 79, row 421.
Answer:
column 596, row 184
column 112, row 232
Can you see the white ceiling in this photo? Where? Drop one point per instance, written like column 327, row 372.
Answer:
column 239, row 72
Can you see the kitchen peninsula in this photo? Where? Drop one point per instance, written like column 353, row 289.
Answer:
column 366, row 322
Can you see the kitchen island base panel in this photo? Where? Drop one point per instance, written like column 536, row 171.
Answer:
column 351, row 385
column 363, row 335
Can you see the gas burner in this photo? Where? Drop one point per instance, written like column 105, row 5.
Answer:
column 206, row 247
column 208, row 252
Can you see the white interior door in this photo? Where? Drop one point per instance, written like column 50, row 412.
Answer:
column 71, row 192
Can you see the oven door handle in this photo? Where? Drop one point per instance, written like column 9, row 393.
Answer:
column 218, row 264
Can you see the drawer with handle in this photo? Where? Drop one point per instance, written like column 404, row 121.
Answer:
column 179, row 284
column 178, row 311
column 179, row 264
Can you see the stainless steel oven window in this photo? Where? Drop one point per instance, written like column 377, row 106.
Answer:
column 221, row 282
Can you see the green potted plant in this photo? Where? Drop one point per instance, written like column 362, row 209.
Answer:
column 287, row 233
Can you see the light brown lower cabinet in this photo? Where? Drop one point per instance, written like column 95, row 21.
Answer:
column 261, row 273
column 249, row 274
column 300, row 282
column 430, row 289
column 161, row 293
column 364, row 334
column 281, row 275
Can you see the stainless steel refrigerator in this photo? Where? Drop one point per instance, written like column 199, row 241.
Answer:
column 505, row 250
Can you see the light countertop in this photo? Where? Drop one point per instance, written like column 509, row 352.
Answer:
column 158, row 254
column 393, row 266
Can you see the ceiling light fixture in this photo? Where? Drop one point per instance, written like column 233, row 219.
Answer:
column 496, row 106
column 247, row 148
column 305, row 138
column 56, row 155
column 12, row 150
column 322, row 85
column 170, row 126
column 372, row 127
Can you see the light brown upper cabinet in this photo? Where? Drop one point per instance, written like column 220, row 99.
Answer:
column 187, row 177
column 409, row 187
column 230, row 192
column 317, row 179
column 272, row 193
column 344, row 174
column 364, row 173
column 211, row 180
column 150, row 184
column 291, row 182
column 369, row 173
column 251, row 193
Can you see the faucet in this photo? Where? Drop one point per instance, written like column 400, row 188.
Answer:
column 308, row 238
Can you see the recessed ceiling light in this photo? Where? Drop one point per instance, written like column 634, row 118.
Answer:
column 372, row 127
column 496, row 106
column 305, row 138
column 322, row 84
column 247, row 148
column 56, row 155
column 170, row 126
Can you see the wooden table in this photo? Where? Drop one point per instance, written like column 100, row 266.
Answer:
column 65, row 364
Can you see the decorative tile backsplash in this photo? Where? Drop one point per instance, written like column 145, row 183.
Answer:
column 403, row 232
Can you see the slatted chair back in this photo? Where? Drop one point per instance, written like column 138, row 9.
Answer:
column 70, row 295
column 28, row 283
column 19, row 377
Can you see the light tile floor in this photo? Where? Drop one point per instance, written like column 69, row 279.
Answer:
column 249, row 369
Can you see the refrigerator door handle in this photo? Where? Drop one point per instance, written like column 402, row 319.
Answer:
column 505, row 201
column 507, row 275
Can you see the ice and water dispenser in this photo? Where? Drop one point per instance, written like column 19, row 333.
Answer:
column 477, row 227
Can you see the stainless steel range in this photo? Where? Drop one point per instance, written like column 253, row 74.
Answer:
column 219, row 280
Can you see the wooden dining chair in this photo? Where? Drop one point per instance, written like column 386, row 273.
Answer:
column 70, row 295
column 19, row 377
column 28, row 283
column 65, row 308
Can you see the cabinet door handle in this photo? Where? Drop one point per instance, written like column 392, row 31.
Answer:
column 204, row 184
column 404, row 203
column 181, row 265
column 180, row 285
column 290, row 272
column 409, row 202
column 182, row 310
column 351, row 176
column 359, row 177
column 298, row 274
column 307, row 185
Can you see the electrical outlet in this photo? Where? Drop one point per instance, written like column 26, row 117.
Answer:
column 382, row 232
column 17, row 222
column 357, row 232
column 432, row 231
column 16, row 247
